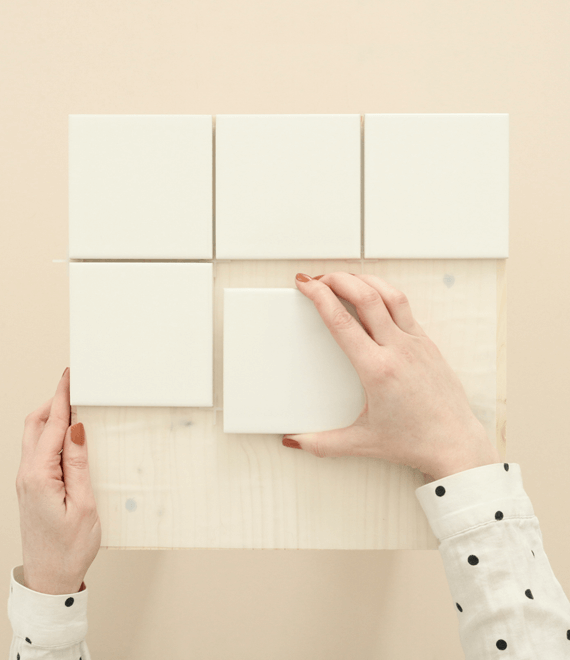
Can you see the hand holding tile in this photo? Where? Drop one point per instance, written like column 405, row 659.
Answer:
column 60, row 526
column 416, row 412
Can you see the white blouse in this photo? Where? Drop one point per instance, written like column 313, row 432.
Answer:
column 506, row 596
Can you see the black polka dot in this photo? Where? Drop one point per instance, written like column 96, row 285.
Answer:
column 528, row 594
column 568, row 634
column 501, row 645
column 28, row 640
column 499, row 515
column 459, row 607
column 506, row 466
column 69, row 602
column 18, row 657
column 473, row 560
column 440, row 491
column 532, row 553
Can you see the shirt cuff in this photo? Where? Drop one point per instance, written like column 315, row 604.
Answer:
column 46, row 620
column 475, row 497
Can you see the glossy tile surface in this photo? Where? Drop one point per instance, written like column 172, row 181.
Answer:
column 140, row 186
column 287, row 186
column 282, row 370
column 141, row 334
column 436, row 186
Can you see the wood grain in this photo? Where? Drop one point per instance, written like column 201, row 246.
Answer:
column 170, row 477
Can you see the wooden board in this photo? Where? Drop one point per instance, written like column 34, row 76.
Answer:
column 170, row 477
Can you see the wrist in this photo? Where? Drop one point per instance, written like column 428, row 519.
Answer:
column 50, row 585
column 487, row 457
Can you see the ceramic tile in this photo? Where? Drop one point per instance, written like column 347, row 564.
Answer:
column 436, row 186
column 282, row 370
column 141, row 334
column 140, row 186
column 287, row 186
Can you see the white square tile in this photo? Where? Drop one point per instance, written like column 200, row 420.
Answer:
column 283, row 371
column 436, row 186
column 141, row 334
column 287, row 186
column 140, row 186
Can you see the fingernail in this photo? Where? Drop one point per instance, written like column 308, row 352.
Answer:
column 78, row 433
column 64, row 372
column 302, row 277
column 289, row 442
column 318, row 277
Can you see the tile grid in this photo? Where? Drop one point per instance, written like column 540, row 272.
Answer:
column 214, row 260
column 438, row 187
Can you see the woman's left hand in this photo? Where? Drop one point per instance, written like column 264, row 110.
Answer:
column 61, row 531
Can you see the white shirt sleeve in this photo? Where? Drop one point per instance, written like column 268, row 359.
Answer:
column 505, row 594
column 46, row 626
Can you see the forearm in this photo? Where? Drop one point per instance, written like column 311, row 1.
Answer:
column 504, row 592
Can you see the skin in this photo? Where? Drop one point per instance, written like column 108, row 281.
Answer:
column 416, row 414
column 61, row 531
column 416, row 411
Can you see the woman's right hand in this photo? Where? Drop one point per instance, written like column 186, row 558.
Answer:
column 416, row 411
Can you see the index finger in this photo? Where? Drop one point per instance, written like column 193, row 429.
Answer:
column 51, row 439
column 345, row 329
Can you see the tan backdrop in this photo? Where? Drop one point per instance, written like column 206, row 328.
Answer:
column 299, row 56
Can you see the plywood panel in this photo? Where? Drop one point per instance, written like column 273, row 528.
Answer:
column 170, row 477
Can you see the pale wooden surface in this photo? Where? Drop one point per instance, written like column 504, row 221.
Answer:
column 170, row 477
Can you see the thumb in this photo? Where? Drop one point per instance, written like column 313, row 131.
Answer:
column 338, row 442
column 75, row 464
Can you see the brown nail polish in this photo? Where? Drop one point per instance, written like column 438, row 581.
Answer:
column 64, row 372
column 318, row 277
column 302, row 277
column 289, row 442
column 78, row 433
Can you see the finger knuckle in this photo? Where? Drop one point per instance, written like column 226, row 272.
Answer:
column 380, row 370
column 319, row 449
column 87, row 508
column 341, row 319
column 29, row 480
column 369, row 298
column 77, row 463
column 90, row 509
column 57, row 421
column 333, row 277
column 32, row 418
column 399, row 298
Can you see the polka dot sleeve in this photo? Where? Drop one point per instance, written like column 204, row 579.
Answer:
column 46, row 626
column 507, row 600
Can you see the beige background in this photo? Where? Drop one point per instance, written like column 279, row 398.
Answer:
column 302, row 56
